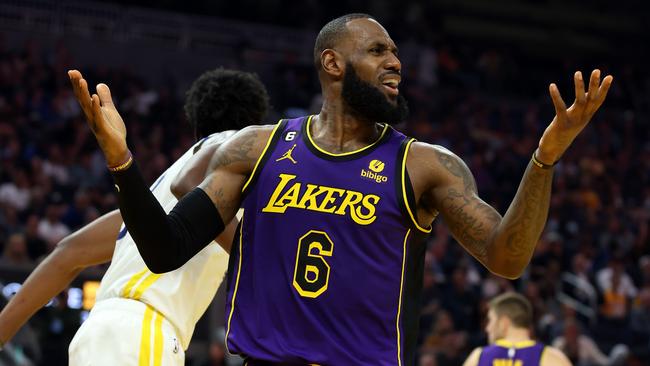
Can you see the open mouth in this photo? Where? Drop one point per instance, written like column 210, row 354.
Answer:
column 391, row 86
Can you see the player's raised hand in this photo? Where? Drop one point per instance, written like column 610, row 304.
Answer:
column 102, row 117
column 568, row 122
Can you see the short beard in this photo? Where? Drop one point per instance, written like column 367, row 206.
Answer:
column 368, row 102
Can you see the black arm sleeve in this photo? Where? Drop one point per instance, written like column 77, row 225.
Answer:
column 165, row 242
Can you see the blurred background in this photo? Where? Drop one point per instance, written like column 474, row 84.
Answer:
column 476, row 76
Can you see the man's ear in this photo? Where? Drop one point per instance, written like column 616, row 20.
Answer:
column 332, row 63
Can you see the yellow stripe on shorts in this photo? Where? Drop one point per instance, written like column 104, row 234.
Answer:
column 157, row 340
column 145, row 338
column 151, row 318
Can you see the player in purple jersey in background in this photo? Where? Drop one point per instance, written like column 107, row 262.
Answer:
column 510, row 318
column 326, row 268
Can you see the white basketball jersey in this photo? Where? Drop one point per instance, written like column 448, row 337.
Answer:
column 182, row 295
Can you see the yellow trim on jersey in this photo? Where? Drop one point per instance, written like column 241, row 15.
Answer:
column 157, row 340
column 520, row 344
column 132, row 281
column 268, row 143
column 406, row 201
column 399, row 305
column 541, row 357
column 145, row 337
column 234, row 294
column 383, row 132
column 144, row 285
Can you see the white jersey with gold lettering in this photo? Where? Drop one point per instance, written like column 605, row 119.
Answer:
column 167, row 305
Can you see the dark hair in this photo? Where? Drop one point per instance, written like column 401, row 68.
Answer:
column 331, row 34
column 221, row 100
column 514, row 306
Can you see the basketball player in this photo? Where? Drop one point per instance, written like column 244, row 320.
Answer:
column 510, row 318
column 142, row 318
column 326, row 267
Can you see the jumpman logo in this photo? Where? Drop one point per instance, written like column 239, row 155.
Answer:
column 287, row 155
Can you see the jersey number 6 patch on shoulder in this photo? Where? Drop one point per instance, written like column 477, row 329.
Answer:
column 290, row 136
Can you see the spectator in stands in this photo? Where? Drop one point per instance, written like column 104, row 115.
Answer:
column 16, row 192
column 582, row 350
column 15, row 251
column 617, row 290
column 50, row 228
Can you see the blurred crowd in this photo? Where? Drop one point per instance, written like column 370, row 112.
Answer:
column 589, row 279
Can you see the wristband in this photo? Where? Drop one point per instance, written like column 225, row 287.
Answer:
column 123, row 166
column 541, row 165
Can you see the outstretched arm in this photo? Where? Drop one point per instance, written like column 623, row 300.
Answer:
column 506, row 244
column 167, row 241
column 91, row 245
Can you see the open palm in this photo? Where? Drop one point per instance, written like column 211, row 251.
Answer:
column 102, row 117
column 569, row 122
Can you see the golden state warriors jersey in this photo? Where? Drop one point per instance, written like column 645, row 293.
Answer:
column 182, row 295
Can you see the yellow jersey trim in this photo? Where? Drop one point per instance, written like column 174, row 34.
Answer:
column 257, row 163
column 383, row 132
column 126, row 292
column 541, row 357
column 145, row 338
column 234, row 294
column 406, row 201
column 144, row 285
column 520, row 344
column 399, row 305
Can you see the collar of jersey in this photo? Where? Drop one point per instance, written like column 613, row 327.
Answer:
column 313, row 143
column 508, row 344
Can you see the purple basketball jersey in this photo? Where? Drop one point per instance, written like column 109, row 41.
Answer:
column 504, row 353
column 325, row 268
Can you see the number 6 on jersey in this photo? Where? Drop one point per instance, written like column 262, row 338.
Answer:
column 312, row 273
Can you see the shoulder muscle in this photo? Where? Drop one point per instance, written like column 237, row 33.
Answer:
column 241, row 151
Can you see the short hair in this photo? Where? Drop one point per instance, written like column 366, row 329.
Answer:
column 222, row 99
column 332, row 32
column 514, row 306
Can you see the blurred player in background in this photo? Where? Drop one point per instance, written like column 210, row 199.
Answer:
column 510, row 318
column 141, row 318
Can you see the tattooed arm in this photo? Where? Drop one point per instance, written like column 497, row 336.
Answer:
column 167, row 241
column 504, row 245
column 230, row 166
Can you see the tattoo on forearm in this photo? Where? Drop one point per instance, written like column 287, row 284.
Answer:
column 526, row 216
column 476, row 225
